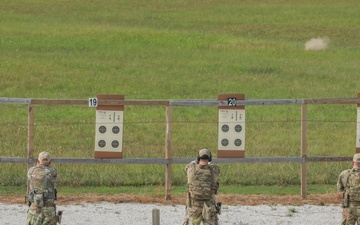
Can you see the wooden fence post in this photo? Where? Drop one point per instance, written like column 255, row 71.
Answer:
column 168, row 155
column 30, row 136
column 303, row 150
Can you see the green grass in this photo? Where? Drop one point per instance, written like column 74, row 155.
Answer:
column 179, row 50
column 179, row 190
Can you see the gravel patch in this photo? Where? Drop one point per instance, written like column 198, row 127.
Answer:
column 141, row 214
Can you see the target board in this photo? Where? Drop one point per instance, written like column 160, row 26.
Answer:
column 109, row 128
column 231, row 127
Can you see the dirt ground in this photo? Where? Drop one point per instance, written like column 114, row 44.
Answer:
column 228, row 199
column 87, row 209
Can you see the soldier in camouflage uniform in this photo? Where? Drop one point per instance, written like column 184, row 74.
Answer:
column 42, row 192
column 349, row 184
column 341, row 184
column 202, row 179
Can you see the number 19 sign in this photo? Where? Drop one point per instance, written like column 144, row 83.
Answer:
column 93, row 102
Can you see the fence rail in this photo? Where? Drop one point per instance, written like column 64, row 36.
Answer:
column 5, row 100
column 181, row 160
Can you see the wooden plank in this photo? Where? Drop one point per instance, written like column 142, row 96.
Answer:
column 24, row 101
column 106, row 154
column 31, row 128
column 138, row 102
column 113, row 107
column 329, row 159
column 59, row 101
column 275, row 159
column 271, row 102
column 30, row 147
column 103, row 102
column 6, row 100
column 230, row 154
column 196, row 103
column 304, row 152
column 357, row 148
column 256, row 160
column 168, row 153
column 204, row 102
column 110, row 161
column 238, row 102
column 332, row 101
column 182, row 160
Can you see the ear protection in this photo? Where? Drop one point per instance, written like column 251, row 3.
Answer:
column 198, row 155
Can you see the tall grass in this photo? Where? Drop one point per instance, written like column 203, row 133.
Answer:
column 179, row 50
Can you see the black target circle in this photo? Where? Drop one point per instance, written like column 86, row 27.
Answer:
column 116, row 129
column 101, row 143
column 115, row 144
column 237, row 142
column 225, row 128
column 102, row 129
column 224, row 142
column 238, row 128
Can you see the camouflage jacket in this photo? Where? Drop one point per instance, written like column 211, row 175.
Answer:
column 41, row 179
column 342, row 180
column 202, row 178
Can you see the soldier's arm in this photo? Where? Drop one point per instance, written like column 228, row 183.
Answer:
column 340, row 185
column 215, row 170
column 29, row 174
column 341, row 182
column 190, row 165
column 55, row 174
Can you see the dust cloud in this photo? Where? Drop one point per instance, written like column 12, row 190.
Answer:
column 317, row 44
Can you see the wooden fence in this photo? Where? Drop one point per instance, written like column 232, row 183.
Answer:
column 168, row 160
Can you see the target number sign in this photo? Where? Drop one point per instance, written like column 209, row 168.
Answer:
column 93, row 102
column 231, row 101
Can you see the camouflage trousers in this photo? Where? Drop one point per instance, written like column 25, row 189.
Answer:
column 196, row 214
column 41, row 216
column 345, row 213
column 351, row 215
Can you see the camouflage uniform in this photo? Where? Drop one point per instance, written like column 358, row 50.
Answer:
column 351, row 209
column 195, row 210
column 42, row 194
column 341, row 186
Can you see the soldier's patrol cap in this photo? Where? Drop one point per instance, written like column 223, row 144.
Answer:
column 356, row 158
column 44, row 158
column 204, row 153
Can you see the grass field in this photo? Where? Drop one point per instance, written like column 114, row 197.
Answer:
column 162, row 49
